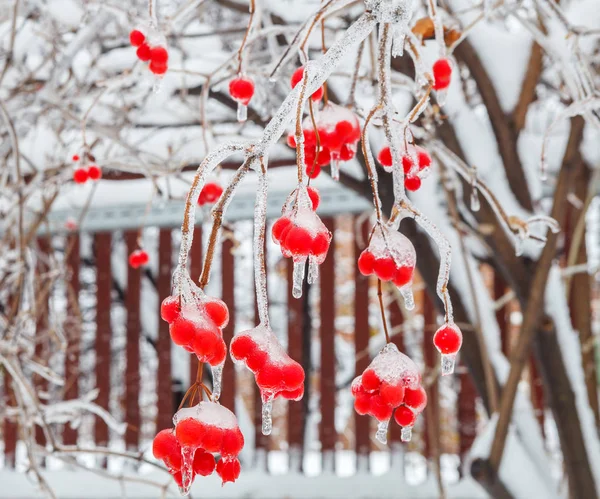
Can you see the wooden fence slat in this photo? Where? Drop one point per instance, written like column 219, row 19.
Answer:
column 361, row 344
column 296, row 410
column 228, row 296
column 466, row 415
column 103, row 250
column 261, row 442
column 132, row 356
column 72, row 331
column 431, row 358
column 195, row 270
column 164, row 380
column 10, row 428
column 327, row 432
column 396, row 321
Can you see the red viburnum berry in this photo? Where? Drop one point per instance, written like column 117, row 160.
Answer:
column 366, row 262
column 166, row 447
column 228, row 469
column 159, row 55
column 143, row 52
column 370, row 380
column 210, row 193
column 412, row 183
column 403, row 276
column 241, row 89
column 315, row 199
column 233, row 443
column 385, row 157
column 170, row 309
column 404, row 416
column 204, row 463
column 75, row 157
column 415, row 399
column 158, row 68
column 298, row 241
column 312, row 171
column 391, row 395
column 138, row 258
column 217, row 311
column 94, row 172
column 80, row 176
column 442, row 74
column 136, row 37
column 279, row 227
column 448, row 339
column 297, row 77
column 384, row 268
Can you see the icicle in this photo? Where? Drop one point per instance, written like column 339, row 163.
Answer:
column 157, row 85
column 267, row 408
column 217, row 374
column 382, row 429
column 448, row 361
column 398, row 42
column 406, row 434
column 242, row 112
column 335, row 166
column 407, row 295
column 187, row 473
column 475, row 204
column 441, row 96
column 298, row 278
column 518, row 246
column 313, row 270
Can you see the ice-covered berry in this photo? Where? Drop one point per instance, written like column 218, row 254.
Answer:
column 228, row 469
column 138, row 258
column 416, row 399
column 143, row 52
column 94, row 172
column 412, row 183
column 136, row 37
column 204, row 463
column 75, row 157
column 442, row 74
column 80, row 176
column 241, row 89
column 166, row 447
column 170, row 309
column 448, row 340
column 315, row 199
column 210, row 193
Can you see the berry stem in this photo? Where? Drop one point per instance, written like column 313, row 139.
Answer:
column 323, row 50
column 246, row 34
column 370, row 167
column 318, row 138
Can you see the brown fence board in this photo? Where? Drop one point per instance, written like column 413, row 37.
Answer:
column 195, row 270
column 396, row 321
column 228, row 296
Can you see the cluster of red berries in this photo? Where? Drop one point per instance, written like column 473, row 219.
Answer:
column 448, row 340
column 83, row 174
column 300, row 232
column 198, row 326
column 338, row 130
column 138, row 258
column 276, row 373
column 201, row 432
column 442, row 74
column 412, row 174
column 210, row 193
column 391, row 381
column 157, row 55
column 241, row 89
column 390, row 256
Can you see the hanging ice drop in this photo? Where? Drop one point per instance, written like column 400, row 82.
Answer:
column 441, row 96
column 242, row 112
column 382, row 429
column 407, row 295
column 335, row 166
column 406, row 434
column 475, row 204
column 187, row 472
column 267, row 420
column 448, row 361
column 313, row 270
column 217, row 374
column 298, row 278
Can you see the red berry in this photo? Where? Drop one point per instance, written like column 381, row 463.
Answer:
column 189, row 432
column 75, row 157
column 407, row 164
column 415, row 399
column 320, row 244
column 346, row 153
column 296, row 394
column 344, row 129
column 312, row 171
column 159, row 55
column 385, row 157
column 158, row 68
column 212, row 440
column 298, row 241
column 166, row 447
column 136, row 37
column 370, row 380
column 228, row 469
column 279, row 226
column 211, row 192
column 94, row 172
column 362, row 404
column 412, row 183
column 292, row 375
column 297, row 77
column 366, row 262
column 182, row 331
column 291, row 140
column 404, row 416
column 170, row 309
column 233, row 442
column 403, row 276
column 442, row 74
column 315, row 199
column 384, row 268
column 217, row 311
column 205, row 343
column 324, row 157
column 178, row 478
column 80, row 176
column 269, row 377
column 379, row 410
column 204, row 463
column 138, row 258
column 257, row 359
column 391, row 395
column 242, row 346
column 448, row 339
column 143, row 52
column 218, row 355
column 424, row 158
column 241, row 89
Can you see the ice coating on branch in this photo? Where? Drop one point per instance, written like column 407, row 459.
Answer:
column 394, row 367
column 390, row 11
column 217, row 376
column 209, row 413
column 260, row 223
column 275, row 372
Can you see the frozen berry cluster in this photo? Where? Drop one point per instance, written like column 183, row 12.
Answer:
column 392, row 381
column 157, row 55
column 197, row 326
column 276, row 373
column 390, row 256
column 416, row 162
column 299, row 231
column 200, row 433
column 338, row 132
column 210, row 193
column 138, row 258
